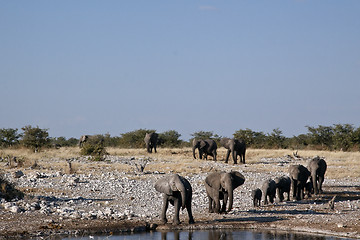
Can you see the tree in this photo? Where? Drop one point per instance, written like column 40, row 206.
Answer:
column 9, row 137
column 134, row 139
column 275, row 139
column 343, row 137
column 206, row 135
column 35, row 138
column 170, row 139
column 251, row 138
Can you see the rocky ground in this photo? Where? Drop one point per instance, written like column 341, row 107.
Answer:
column 99, row 198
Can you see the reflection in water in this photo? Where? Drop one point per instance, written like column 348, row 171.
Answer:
column 213, row 235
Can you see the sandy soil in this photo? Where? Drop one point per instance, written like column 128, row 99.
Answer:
column 311, row 215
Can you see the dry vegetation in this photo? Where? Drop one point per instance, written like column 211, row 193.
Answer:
column 340, row 164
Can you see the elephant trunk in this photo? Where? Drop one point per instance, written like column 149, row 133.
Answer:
column 231, row 199
column 181, row 188
column 194, row 147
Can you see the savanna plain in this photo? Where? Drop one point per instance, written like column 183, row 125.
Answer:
column 66, row 194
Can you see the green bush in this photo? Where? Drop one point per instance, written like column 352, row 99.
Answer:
column 97, row 151
column 35, row 138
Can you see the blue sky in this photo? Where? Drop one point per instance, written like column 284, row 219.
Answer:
column 96, row 67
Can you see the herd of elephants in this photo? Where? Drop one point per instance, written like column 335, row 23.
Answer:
column 220, row 185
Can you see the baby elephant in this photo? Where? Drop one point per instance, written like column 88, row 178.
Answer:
column 268, row 189
column 176, row 190
column 283, row 184
column 256, row 196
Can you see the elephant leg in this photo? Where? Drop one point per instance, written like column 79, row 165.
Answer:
column 165, row 207
column 211, row 208
column 177, row 203
column 242, row 158
column 235, row 157
column 321, row 180
column 188, row 208
column 293, row 186
column 214, row 155
column 227, row 156
column 200, row 154
column 225, row 200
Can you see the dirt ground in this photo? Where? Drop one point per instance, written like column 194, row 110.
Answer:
column 311, row 215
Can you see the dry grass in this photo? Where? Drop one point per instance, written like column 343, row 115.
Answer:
column 180, row 160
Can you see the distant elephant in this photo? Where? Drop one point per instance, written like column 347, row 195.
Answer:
column 151, row 141
column 236, row 147
column 283, row 184
column 298, row 175
column 317, row 168
column 94, row 139
column 205, row 147
column 268, row 189
column 220, row 186
column 256, row 196
column 176, row 190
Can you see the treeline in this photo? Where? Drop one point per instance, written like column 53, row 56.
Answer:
column 343, row 137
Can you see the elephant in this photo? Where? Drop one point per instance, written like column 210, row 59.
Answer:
column 151, row 141
column 256, row 196
column 176, row 190
column 283, row 184
column 94, row 139
column 317, row 168
column 220, row 186
column 299, row 176
column 268, row 189
column 308, row 189
column 236, row 147
column 206, row 147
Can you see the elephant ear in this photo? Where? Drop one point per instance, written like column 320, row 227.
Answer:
column 163, row 186
column 238, row 179
column 213, row 180
column 202, row 144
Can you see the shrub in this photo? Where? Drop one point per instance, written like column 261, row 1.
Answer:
column 9, row 137
column 35, row 138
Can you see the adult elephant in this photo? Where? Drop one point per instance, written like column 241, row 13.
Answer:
column 151, row 141
column 268, row 189
column 176, row 190
column 317, row 168
column 205, row 147
column 234, row 146
column 93, row 139
column 283, row 185
column 298, row 175
column 221, row 186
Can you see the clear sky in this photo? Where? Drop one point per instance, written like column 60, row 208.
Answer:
column 96, row 67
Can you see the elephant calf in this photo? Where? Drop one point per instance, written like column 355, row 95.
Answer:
column 220, row 186
column 299, row 176
column 256, row 196
column 317, row 168
column 268, row 189
column 283, row 184
column 176, row 190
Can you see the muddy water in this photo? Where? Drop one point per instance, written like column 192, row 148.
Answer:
column 213, row 235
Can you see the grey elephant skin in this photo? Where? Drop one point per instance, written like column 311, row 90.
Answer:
column 205, row 147
column 268, row 188
column 256, row 196
column 317, row 168
column 176, row 190
column 151, row 141
column 221, row 186
column 299, row 176
column 236, row 147
column 94, row 139
column 283, row 185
